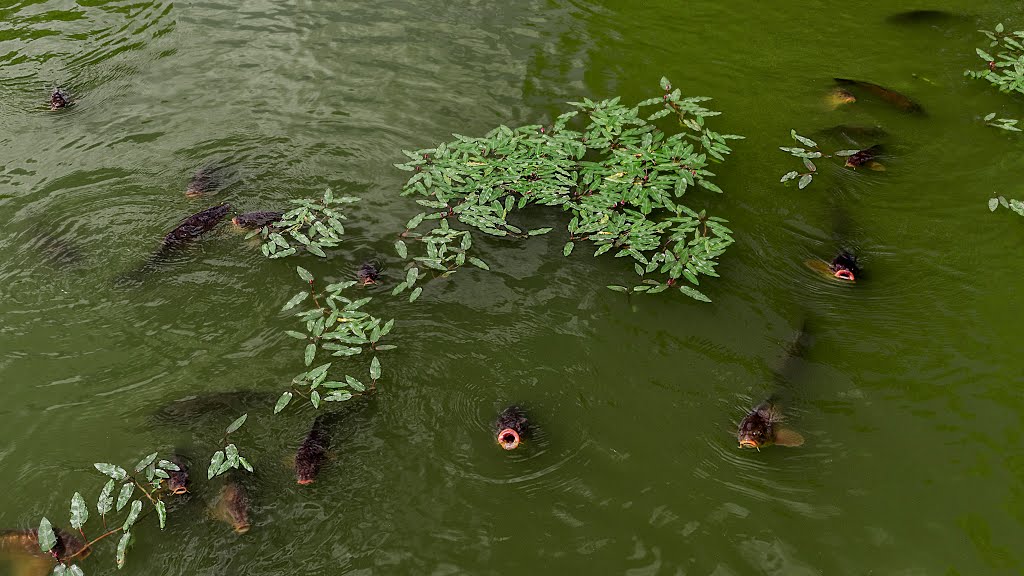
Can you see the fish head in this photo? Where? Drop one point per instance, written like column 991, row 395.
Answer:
column 177, row 481
column 307, row 467
column 844, row 266
column 755, row 430
column 508, row 439
column 838, row 97
column 369, row 272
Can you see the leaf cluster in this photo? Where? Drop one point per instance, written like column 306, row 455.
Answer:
column 621, row 178
column 1005, row 68
column 228, row 458
column 314, row 226
column 1015, row 205
column 335, row 325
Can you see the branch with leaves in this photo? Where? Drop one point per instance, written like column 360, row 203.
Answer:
column 228, row 457
column 312, row 225
column 335, row 325
column 620, row 177
column 811, row 152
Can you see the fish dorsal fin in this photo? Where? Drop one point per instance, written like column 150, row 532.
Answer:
column 787, row 437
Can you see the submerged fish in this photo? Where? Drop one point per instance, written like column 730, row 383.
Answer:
column 511, row 427
column 254, row 220
column 186, row 411
column 843, row 267
column 27, row 542
column 206, row 180
column 369, row 273
column 313, row 450
column 837, row 97
column 60, row 99
column 921, row 17
column 866, row 156
column 232, row 505
column 890, row 96
column 760, row 428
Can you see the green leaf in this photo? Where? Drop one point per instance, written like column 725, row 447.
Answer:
column 805, row 141
column 804, row 181
column 567, row 249
column 122, row 548
column 984, row 55
column 161, row 512
column 295, row 301
column 237, row 423
column 115, row 472
column 845, row 153
column 296, row 335
column 402, row 249
column 106, row 499
column 314, row 398
column 375, row 369
column 168, row 465
column 665, row 85
column 309, row 354
column 415, row 221
column 145, row 462
column 282, row 402
column 538, row 231
column 304, row 274
column 125, row 495
column 993, row 203
column 695, row 294
column 47, row 539
column 133, row 515
column 79, row 511
column 616, row 288
column 810, row 165
column 59, row 570
column 316, row 250
column 245, row 463
column 990, row 116
column 478, row 263
column 412, row 275
column 354, row 384
column 415, row 294
column 789, row 176
column 215, row 464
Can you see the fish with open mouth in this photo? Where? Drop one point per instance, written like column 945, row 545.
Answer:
column 512, row 426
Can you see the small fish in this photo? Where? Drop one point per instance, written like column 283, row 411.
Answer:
column 369, row 273
column 313, row 450
column 178, row 479
column 760, row 428
column 254, row 220
column 866, row 156
column 60, row 99
column 511, row 427
column 233, row 505
column 891, row 96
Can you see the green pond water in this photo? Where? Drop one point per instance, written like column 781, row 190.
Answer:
column 909, row 397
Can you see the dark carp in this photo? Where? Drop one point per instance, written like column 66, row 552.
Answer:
column 843, row 267
column 760, row 428
column 369, row 273
column 889, row 96
column 921, row 17
column 190, row 229
column 255, row 220
column 178, row 480
column 59, row 98
column 313, row 450
column 187, row 411
column 866, row 157
column 233, row 504
column 206, row 180
column 511, row 427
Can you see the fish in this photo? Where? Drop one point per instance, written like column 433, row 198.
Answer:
column 193, row 227
column 205, row 180
column 232, row 505
column 369, row 272
column 59, row 98
column 313, row 450
column 865, row 157
column 178, row 480
column 837, row 97
column 187, row 411
column 890, row 96
column 843, row 267
column 760, row 428
column 511, row 427
column 22, row 546
column 254, row 220
column 921, row 17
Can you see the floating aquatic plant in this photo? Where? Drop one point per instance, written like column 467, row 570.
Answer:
column 312, row 225
column 811, row 152
column 620, row 177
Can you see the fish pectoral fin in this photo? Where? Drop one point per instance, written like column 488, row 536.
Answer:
column 876, row 166
column 787, row 437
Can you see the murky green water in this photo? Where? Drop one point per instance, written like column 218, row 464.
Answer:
column 909, row 397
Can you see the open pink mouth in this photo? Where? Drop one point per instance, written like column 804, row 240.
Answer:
column 509, row 439
column 844, row 275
